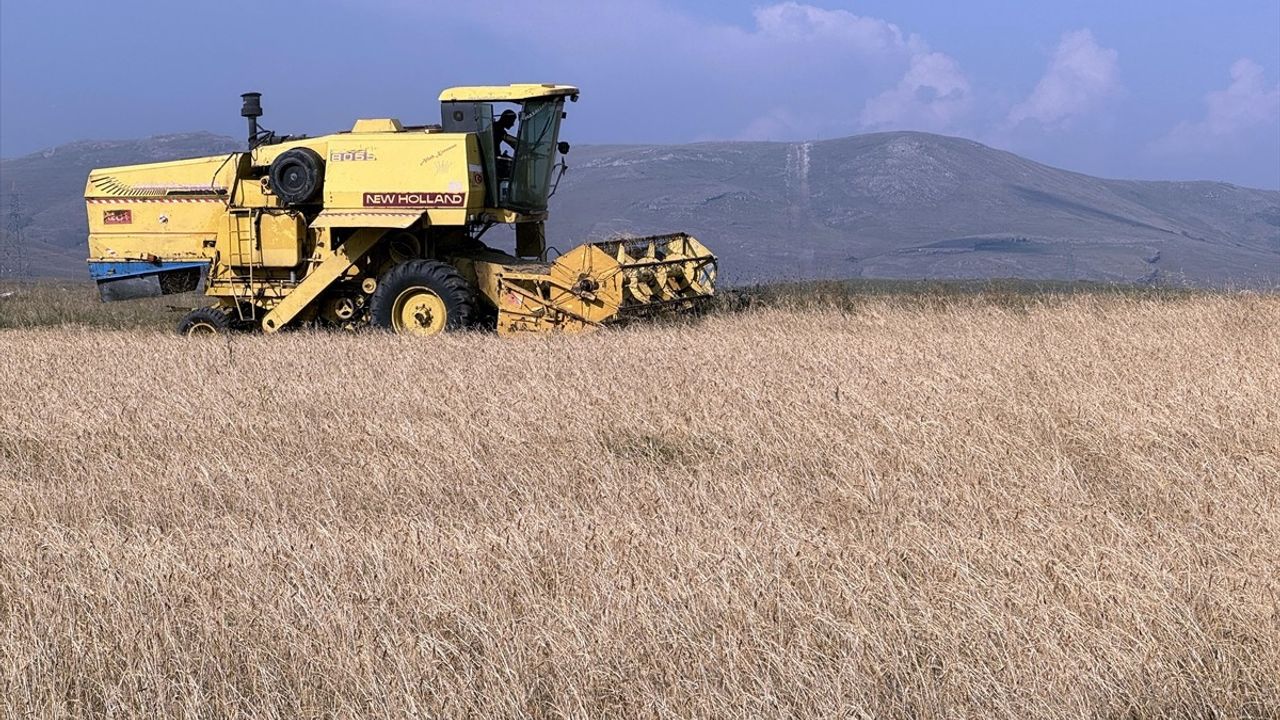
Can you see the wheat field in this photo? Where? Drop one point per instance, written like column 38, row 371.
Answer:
column 1061, row 508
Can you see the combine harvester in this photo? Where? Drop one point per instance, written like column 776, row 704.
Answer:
column 381, row 226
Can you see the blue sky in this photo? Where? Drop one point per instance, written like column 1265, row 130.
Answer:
column 1180, row 89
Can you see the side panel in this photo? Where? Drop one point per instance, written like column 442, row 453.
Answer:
column 280, row 239
column 165, row 216
column 168, row 210
column 441, row 173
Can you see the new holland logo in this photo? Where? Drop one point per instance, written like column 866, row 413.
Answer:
column 117, row 217
column 415, row 199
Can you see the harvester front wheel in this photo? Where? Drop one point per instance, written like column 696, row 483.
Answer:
column 422, row 297
column 204, row 321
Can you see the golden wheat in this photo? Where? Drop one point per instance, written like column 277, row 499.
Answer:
column 1069, row 508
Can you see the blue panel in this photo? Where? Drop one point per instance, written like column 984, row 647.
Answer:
column 116, row 269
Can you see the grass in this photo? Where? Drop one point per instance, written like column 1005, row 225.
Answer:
column 1007, row 293
column 45, row 303
column 1061, row 506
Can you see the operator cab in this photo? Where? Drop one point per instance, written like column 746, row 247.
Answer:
column 518, row 178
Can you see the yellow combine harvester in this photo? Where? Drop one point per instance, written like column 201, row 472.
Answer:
column 381, row 225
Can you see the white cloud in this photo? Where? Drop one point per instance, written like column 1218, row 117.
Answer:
column 793, row 71
column 932, row 95
column 1247, row 105
column 806, row 23
column 840, row 56
column 1080, row 77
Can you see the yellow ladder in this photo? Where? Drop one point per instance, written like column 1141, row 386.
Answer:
column 242, row 231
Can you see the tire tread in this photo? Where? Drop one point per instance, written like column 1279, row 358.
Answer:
column 444, row 279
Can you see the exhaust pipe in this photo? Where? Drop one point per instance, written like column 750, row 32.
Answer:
column 252, row 110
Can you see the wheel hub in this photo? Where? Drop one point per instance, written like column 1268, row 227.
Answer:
column 419, row 311
column 202, row 328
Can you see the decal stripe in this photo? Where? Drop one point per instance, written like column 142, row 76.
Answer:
column 119, row 200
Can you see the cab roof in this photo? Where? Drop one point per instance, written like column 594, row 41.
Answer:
column 506, row 93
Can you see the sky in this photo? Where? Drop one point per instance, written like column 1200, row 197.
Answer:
column 1169, row 90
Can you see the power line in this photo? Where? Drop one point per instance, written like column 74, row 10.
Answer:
column 13, row 261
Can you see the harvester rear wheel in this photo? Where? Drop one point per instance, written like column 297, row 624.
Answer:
column 204, row 321
column 422, row 297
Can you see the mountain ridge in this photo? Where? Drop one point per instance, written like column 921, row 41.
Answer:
column 891, row 205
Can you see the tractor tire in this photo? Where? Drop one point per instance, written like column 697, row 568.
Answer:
column 422, row 297
column 297, row 176
column 205, row 321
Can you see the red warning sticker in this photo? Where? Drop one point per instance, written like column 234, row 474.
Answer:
column 117, row 217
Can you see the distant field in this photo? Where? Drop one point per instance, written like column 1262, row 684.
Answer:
column 953, row 502
column 45, row 303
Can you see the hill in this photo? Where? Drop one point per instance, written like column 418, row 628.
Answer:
column 51, row 185
column 914, row 205
column 891, row 205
